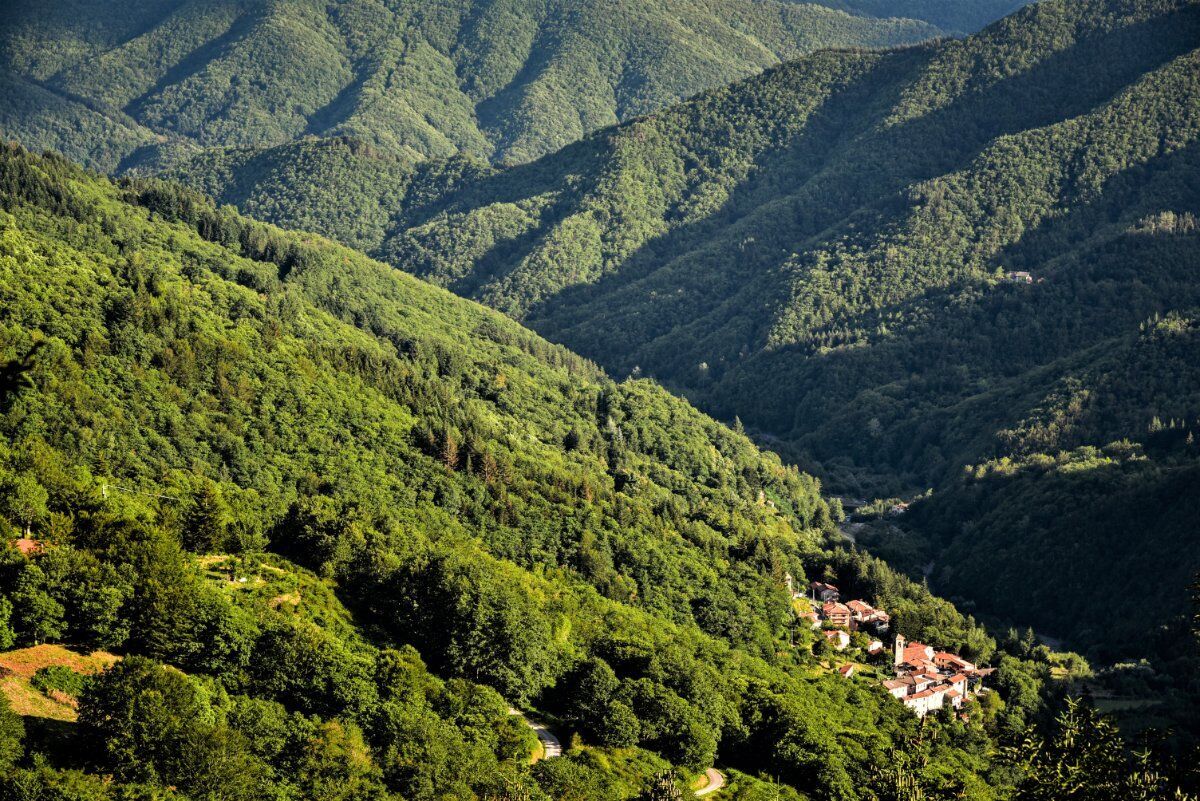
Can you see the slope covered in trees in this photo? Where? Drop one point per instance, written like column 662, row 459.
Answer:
column 950, row 15
column 833, row 251
column 507, row 80
column 183, row 388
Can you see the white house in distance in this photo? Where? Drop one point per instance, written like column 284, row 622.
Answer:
column 838, row 638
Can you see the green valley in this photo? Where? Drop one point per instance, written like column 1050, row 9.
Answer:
column 892, row 267
column 598, row 400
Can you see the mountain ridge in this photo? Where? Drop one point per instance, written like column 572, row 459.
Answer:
column 505, row 80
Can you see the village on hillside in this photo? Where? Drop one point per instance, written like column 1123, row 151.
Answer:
column 925, row 679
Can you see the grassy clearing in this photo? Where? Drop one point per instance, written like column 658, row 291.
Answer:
column 18, row 667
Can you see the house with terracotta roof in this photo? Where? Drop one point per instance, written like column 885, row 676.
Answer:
column 836, row 614
column 915, row 654
column 948, row 661
column 928, row 680
column 865, row 616
column 29, row 546
column 910, row 684
column 860, row 609
column 846, row 671
column 926, row 701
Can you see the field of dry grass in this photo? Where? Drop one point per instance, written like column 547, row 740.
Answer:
column 17, row 669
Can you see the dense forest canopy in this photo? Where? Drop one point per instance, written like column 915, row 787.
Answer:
column 505, row 80
column 894, row 267
column 184, row 388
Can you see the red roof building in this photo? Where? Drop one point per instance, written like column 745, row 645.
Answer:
column 825, row 592
column 836, row 613
column 949, row 661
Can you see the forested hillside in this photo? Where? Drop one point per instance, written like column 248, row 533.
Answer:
column 961, row 16
column 506, row 80
column 836, row 252
column 184, row 388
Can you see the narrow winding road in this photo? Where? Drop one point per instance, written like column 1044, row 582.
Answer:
column 715, row 782
column 551, row 747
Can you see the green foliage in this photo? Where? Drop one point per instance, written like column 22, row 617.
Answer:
column 58, row 678
column 1082, row 756
column 12, row 732
column 157, row 725
column 950, row 15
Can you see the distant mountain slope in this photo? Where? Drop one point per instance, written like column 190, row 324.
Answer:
column 950, row 15
column 507, row 80
column 822, row 250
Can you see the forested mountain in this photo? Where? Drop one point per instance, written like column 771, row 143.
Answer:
column 834, row 252
column 506, row 80
column 442, row 480
column 961, row 16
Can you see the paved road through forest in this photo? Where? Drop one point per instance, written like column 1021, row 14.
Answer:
column 715, row 782
column 551, row 747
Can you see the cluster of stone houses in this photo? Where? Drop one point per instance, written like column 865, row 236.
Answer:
column 928, row 680
column 843, row 618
